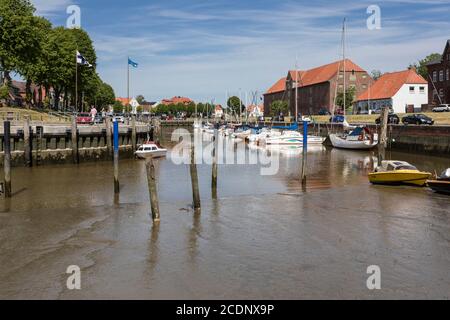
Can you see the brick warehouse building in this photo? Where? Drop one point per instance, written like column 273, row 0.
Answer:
column 317, row 87
column 439, row 85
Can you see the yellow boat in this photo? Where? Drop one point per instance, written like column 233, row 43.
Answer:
column 398, row 172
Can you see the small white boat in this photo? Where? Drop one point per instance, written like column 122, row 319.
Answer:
column 241, row 134
column 358, row 139
column 150, row 149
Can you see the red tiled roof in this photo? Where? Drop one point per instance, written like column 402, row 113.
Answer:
column 325, row 73
column 124, row 101
column 176, row 100
column 279, row 86
column 316, row 75
column 252, row 108
column 389, row 83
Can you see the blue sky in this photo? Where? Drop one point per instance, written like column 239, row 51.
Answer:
column 204, row 48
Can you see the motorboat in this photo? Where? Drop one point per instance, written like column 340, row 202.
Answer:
column 293, row 138
column 150, row 149
column 398, row 172
column 358, row 139
column 442, row 183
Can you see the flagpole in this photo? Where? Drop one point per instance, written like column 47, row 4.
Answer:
column 76, row 81
column 128, row 81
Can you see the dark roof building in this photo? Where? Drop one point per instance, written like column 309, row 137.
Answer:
column 439, row 82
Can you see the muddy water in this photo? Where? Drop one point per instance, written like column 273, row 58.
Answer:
column 264, row 237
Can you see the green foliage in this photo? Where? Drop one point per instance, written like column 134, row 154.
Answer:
column 421, row 65
column 279, row 107
column 349, row 98
column 118, row 107
column 4, row 92
column 233, row 103
column 140, row 99
column 376, row 74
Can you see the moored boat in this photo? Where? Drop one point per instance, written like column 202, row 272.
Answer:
column 150, row 149
column 359, row 139
column 398, row 172
column 442, row 183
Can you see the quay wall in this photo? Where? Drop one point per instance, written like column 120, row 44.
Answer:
column 54, row 145
column 432, row 140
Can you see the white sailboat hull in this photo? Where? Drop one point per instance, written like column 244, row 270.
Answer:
column 341, row 143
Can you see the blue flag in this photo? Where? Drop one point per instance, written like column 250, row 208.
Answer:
column 132, row 63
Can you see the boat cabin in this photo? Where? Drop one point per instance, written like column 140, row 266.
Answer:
column 394, row 166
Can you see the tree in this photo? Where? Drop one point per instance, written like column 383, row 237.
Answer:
column 421, row 65
column 278, row 107
column 140, row 99
column 349, row 98
column 376, row 74
column 233, row 103
column 118, row 107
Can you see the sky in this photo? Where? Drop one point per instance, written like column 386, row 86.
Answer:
column 208, row 49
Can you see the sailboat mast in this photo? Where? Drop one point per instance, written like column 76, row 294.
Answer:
column 296, row 90
column 343, row 55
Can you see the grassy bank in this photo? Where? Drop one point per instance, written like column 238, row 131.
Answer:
column 19, row 114
column 440, row 118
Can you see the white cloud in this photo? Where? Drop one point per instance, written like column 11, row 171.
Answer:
column 51, row 7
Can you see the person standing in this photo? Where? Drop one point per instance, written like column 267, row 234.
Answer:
column 93, row 114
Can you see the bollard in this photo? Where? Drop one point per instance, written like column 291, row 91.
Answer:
column 152, row 189
column 75, row 156
column 108, row 137
column 194, row 180
column 382, row 141
column 27, row 143
column 7, row 158
column 305, row 151
column 133, row 132
column 215, row 154
column 116, row 158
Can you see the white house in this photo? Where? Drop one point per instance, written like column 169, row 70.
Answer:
column 218, row 111
column 255, row 110
column 403, row 92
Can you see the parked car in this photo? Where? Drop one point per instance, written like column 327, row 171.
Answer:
column 84, row 118
column 442, row 108
column 324, row 112
column 418, row 119
column 337, row 119
column 98, row 119
column 119, row 118
column 392, row 119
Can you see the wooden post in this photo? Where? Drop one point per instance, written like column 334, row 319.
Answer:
column 27, row 143
column 152, row 189
column 305, row 151
column 7, row 158
column 116, row 158
column 108, row 137
column 214, row 166
column 382, row 140
column 75, row 141
column 133, row 131
column 194, row 180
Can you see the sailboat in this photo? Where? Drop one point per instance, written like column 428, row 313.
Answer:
column 359, row 138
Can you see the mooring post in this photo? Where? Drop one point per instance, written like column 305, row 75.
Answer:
column 152, row 189
column 305, row 151
column 215, row 155
column 133, row 131
column 194, row 179
column 108, row 137
column 382, row 141
column 26, row 142
column 74, row 132
column 116, row 158
column 7, row 158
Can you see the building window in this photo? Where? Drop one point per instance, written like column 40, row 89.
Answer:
column 441, row 75
column 341, row 87
column 352, row 86
column 434, row 76
column 412, row 90
column 352, row 78
column 364, row 76
column 441, row 93
column 448, row 75
column 422, row 89
column 364, row 86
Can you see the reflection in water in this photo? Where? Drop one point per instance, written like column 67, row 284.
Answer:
column 264, row 237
